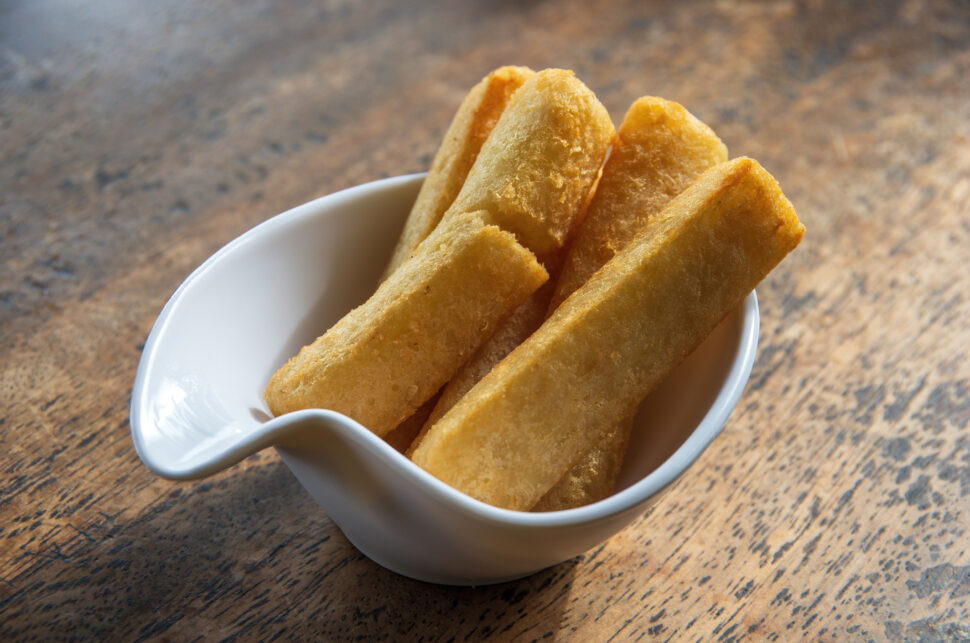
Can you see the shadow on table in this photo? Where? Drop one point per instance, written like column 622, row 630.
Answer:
column 251, row 554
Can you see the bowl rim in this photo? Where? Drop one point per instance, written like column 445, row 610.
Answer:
column 275, row 431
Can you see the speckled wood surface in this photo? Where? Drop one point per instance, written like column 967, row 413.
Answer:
column 136, row 138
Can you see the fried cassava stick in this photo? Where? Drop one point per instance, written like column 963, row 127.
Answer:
column 534, row 174
column 660, row 148
column 388, row 356
column 612, row 341
column 553, row 129
column 471, row 125
column 535, row 170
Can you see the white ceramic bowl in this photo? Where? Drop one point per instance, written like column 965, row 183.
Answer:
column 197, row 402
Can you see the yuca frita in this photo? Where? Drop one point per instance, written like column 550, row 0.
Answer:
column 529, row 390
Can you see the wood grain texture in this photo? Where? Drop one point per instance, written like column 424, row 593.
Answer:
column 135, row 139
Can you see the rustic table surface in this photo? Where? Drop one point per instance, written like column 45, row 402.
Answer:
column 136, row 138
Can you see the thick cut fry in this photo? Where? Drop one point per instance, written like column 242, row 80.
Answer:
column 388, row 356
column 471, row 125
column 512, row 437
column 594, row 476
column 511, row 332
column 535, row 170
column 405, row 433
column 534, row 175
column 554, row 130
column 473, row 122
column 660, row 148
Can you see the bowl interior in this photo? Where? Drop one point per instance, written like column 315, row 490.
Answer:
column 252, row 305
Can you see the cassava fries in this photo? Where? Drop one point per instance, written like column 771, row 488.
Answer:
column 512, row 437
column 404, row 434
column 594, row 476
column 534, row 174
column 388, row 356
column 660, row 148
column 473, row 122
column 555, row 126
column 471, row 125
column 511, row 332
column 535, row 170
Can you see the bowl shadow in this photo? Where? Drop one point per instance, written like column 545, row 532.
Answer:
column 250, row 554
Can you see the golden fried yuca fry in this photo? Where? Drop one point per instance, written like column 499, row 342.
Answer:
column 534, row 175
column 404, row 434
column 473, row 122
column 528, row 144
column 512, row 437
column 660, row 148
column 471, row 125
column 510, row 333
column 534, row 172
column 388, row 356
column 594, row 476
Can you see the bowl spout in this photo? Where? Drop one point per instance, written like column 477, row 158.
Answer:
column 197, row 402
column 415, row 525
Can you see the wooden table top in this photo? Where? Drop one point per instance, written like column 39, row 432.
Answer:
column 136, row 139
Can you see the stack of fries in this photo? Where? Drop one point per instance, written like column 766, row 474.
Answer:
column 551, row 273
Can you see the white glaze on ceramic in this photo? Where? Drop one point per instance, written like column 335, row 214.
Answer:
column 197, row 406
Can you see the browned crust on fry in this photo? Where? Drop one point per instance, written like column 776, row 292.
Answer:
column 660, row 148
column 531, row 419
column 473, row 122
column 511, row 332
column 537, row 167
column 385, row 358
